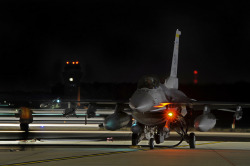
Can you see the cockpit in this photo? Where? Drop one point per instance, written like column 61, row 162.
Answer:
column 150, row 82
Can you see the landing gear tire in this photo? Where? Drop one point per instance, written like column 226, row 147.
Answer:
column 151, row 143
column 157, row 138
column 134, row 139
column 192, row 141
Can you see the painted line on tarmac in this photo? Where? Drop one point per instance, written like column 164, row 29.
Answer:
column 67, row 158
column 181, row 146
column 208, row 143
column 92, row 155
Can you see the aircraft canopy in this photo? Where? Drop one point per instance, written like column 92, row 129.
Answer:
column 150, row 82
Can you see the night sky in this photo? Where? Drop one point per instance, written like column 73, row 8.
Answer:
column 120, row 41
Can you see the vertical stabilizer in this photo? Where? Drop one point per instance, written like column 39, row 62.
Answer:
column 172, row 80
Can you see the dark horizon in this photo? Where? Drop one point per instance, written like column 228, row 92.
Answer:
column 233, row 92
column 121, row 41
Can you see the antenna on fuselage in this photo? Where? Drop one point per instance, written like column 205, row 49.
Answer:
column 172, row 80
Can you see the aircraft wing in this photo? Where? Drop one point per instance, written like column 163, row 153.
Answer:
column 93, row 106
column 206, row 106
column 224, row 106
column 86, row 103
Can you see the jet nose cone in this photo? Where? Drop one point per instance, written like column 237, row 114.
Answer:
column 141, row 102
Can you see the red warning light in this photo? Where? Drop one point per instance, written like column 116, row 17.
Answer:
column 195, row 76
column 170, row 114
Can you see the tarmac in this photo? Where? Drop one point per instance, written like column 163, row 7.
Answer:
column 120, row 152
column 53, row 144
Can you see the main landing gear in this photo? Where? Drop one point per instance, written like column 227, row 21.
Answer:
column 151, row 143
column 181, row 128
column 157, row 134
column 191, row 141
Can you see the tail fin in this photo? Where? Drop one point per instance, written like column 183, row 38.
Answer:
column 172, row 80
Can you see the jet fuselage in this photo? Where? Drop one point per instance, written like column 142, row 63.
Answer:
column 145, row 100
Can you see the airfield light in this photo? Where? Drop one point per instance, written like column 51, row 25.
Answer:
column 195, row 76
column 71, row 79
column 77, row 62
column 73, row 63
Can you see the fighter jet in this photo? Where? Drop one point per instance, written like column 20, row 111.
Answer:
column 160, row 108
column 156, row 108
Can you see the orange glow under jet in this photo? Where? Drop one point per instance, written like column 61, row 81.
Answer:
column 170, row 114
column 162, row 105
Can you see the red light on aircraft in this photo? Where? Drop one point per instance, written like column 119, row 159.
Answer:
column 195, row 72
column 170, row 114
column 162, row 105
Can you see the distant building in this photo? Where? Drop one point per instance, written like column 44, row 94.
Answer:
column 72, row 75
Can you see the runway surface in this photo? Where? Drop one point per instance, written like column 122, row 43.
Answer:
column 94, row 149
column 207, row 153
